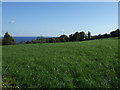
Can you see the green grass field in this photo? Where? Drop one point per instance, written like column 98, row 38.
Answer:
column 86, row 64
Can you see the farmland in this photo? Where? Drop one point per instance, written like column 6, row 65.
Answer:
column 85, row 64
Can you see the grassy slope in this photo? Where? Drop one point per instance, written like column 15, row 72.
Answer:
column 57, row 65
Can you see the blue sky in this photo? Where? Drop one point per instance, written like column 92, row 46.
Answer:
column 54, row 19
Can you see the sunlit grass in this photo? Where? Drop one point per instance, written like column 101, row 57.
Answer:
column 86, row 64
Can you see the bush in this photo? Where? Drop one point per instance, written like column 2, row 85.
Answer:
column 28, row 42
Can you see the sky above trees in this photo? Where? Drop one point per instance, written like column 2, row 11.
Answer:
column 57, row 18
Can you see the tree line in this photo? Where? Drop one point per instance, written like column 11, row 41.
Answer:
column 77, row 36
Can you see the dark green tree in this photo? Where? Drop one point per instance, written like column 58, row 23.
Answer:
column 71, row 37
column 99, row 36
column 76, row 36
column 89, row 35
column 82, row 36
column 63, row 38
column 7, row 39
column 115, row 33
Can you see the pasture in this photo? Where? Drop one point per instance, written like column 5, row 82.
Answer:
column 85, row 64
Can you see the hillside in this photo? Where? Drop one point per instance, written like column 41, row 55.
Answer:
column 86, row 64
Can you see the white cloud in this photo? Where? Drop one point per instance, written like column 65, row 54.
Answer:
column 12, row 21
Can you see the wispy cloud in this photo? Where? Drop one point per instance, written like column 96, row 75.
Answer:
column 12, row 21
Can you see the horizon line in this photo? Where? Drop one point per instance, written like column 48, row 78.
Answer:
column 61, row 34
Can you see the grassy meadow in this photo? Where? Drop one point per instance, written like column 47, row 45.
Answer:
column 85, row 64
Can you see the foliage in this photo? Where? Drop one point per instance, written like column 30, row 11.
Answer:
column 63, row 38
column 89, row 35
column 115, row 33
column 7, row 39
column 77, row 36
column 71, row 37
column 52, row 40
column 82, row 36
